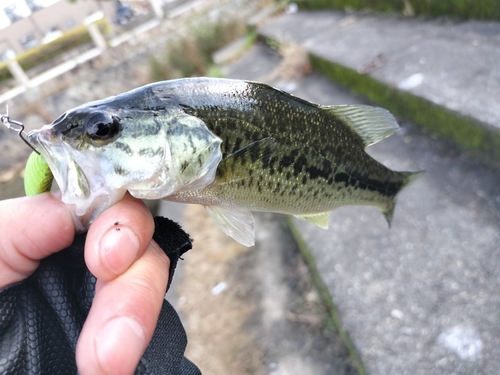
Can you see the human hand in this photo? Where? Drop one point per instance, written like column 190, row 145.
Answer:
column 131, row 269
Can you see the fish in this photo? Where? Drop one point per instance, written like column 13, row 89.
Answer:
column 233, row 146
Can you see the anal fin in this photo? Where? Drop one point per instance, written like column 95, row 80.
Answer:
column 236, row 222
column 321, row 219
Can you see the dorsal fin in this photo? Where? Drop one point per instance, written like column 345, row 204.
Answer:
column 372, row 124
column 235, row 166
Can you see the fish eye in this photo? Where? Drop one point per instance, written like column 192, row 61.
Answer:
column 102, row 127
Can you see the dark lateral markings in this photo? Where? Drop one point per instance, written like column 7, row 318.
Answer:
column 327, row 172
column 295, row 165
column 389, row 189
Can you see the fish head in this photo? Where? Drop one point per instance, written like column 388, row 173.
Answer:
column 99, row 151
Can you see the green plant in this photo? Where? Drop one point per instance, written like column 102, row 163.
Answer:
column 5, row 73
column 46, row 52
column 69, row 40
column 189, row 53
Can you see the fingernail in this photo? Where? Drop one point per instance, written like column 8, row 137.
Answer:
column 118, row 249
column 120, row 345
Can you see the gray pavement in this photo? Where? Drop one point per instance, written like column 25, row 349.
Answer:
column 422, row 297
column 454, row 65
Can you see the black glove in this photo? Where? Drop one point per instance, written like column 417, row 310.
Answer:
column 42, row 316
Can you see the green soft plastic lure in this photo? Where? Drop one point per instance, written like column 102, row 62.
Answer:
column 37, row 175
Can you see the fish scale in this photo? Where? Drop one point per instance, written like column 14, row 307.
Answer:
column 232, row 146
column 288, row 167
column 301, row 129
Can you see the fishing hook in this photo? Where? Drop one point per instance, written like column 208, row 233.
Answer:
column 16, row 126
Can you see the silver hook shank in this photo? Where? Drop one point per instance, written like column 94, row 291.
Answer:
column 16, row 126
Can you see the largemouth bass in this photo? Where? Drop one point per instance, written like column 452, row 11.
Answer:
column 232, row 146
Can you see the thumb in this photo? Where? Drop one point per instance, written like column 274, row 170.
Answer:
column 31, row 228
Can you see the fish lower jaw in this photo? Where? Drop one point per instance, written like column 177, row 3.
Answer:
column 85, row 211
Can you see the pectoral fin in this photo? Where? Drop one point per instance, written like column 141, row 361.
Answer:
column 235, row 166
column 235, row 222
column 321, row 219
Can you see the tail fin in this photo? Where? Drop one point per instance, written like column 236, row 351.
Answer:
column 408, row 179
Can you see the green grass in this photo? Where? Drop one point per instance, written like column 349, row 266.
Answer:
column 466, row 9
column 190, row 52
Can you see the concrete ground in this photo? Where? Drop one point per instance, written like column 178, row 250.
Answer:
column 452, row 64
column 251, row 311
column 422, row 297
column 418, row 298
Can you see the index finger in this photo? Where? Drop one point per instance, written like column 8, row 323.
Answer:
column 118, row 237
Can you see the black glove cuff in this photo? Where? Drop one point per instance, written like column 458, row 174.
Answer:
column 172, row 240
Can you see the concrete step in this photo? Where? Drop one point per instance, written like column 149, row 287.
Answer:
column 420, row 298
column 443, row 75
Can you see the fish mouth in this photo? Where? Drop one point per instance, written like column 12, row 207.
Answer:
column 79, row 184
column 59, row 160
